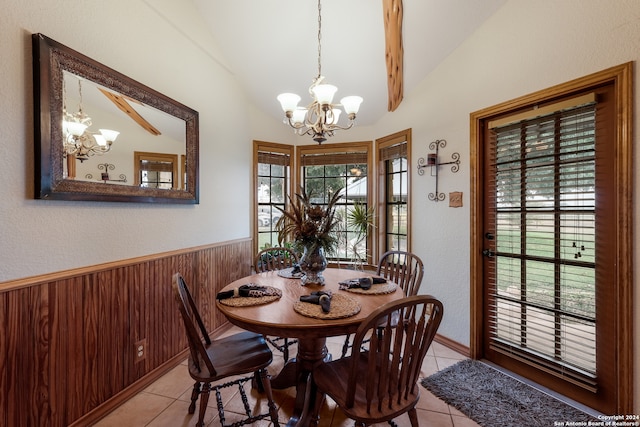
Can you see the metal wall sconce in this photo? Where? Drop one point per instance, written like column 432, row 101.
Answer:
column 432, row 162
column 104, row 176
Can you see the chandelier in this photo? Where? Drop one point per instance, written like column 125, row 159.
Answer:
column 78, row 141
column 320, row 118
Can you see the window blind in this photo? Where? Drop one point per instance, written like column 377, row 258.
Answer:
column 541, row 196
column 270, row 158
column 347, row 158
column 156, row 166
column 393, row 152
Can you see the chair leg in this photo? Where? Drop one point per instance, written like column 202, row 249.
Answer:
column 257, row 383
column 345, row 346
column 316, row 399
column 194, row 397
column 266, row 383
column 413, row 417
column 204, row 399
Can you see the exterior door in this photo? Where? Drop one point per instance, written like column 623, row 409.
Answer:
column 548, row 246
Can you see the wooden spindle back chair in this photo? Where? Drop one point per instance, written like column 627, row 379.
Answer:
column 403, row 268
column 271, row 259
column 275, row 258
column 212, row 360
column 381, row 383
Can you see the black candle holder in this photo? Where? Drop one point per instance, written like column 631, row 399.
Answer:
column 432, row 162
column 104, row 176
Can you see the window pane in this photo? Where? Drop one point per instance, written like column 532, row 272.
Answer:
column 277, row 170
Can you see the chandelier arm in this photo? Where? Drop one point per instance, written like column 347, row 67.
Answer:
column 294, row 125
column 85, row 145
column 338, row 127
column 301, row 131
column 317, row 125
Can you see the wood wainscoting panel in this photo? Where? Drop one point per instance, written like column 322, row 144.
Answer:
column 68, row 350
column 24, row 362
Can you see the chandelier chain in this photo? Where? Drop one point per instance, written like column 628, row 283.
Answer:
column 80, row 95
column 319, row 39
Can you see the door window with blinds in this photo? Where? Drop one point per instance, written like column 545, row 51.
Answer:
column 342, row 168
column 551, row 238
column 273, row 186
column 544, row 225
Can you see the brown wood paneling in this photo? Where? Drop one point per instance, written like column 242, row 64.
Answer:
column 67, row 375
column 4, row 380
column 26, row 357
column 67, row 351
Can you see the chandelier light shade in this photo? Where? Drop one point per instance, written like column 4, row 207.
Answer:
column 320, row 118
column 78, row 141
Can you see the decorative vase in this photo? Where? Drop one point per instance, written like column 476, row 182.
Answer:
column 313, row 263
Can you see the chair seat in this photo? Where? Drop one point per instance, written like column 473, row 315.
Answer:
column 236, row 354
column 332, row 378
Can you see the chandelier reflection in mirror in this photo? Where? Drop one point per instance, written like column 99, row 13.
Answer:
column 78, row 141
column 320, row 118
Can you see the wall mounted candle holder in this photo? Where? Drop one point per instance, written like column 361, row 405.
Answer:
column 104, row 176
column 432, row 161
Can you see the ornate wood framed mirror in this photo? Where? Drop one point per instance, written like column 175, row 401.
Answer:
column 79, row 103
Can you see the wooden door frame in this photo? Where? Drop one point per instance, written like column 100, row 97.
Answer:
column 622, row 78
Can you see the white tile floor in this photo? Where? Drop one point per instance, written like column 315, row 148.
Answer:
column 165, row 402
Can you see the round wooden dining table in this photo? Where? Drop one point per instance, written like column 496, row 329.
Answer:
column 278, row 318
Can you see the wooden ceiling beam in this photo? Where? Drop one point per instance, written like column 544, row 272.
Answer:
column 123, row 105
column 394, row 52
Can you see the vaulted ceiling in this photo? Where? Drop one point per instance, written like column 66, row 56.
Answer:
column 271, row 46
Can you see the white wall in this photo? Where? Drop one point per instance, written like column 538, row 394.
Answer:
column 176, row 57
column 526, row 46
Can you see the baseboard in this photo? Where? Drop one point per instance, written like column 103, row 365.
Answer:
column 453, row 345
column 107, row 407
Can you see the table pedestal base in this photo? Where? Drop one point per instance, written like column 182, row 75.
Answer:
column 297, row 372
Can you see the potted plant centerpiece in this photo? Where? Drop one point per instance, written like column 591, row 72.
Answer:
column 310, row 227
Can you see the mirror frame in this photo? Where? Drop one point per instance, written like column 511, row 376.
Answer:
column 50, row 59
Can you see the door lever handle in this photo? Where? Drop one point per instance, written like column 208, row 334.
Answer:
column 488, row 253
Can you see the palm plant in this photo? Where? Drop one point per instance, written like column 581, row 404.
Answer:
column 361, row 219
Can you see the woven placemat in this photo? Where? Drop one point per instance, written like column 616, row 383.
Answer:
column 376, row 289
column 251, row 301
column 341, row 306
